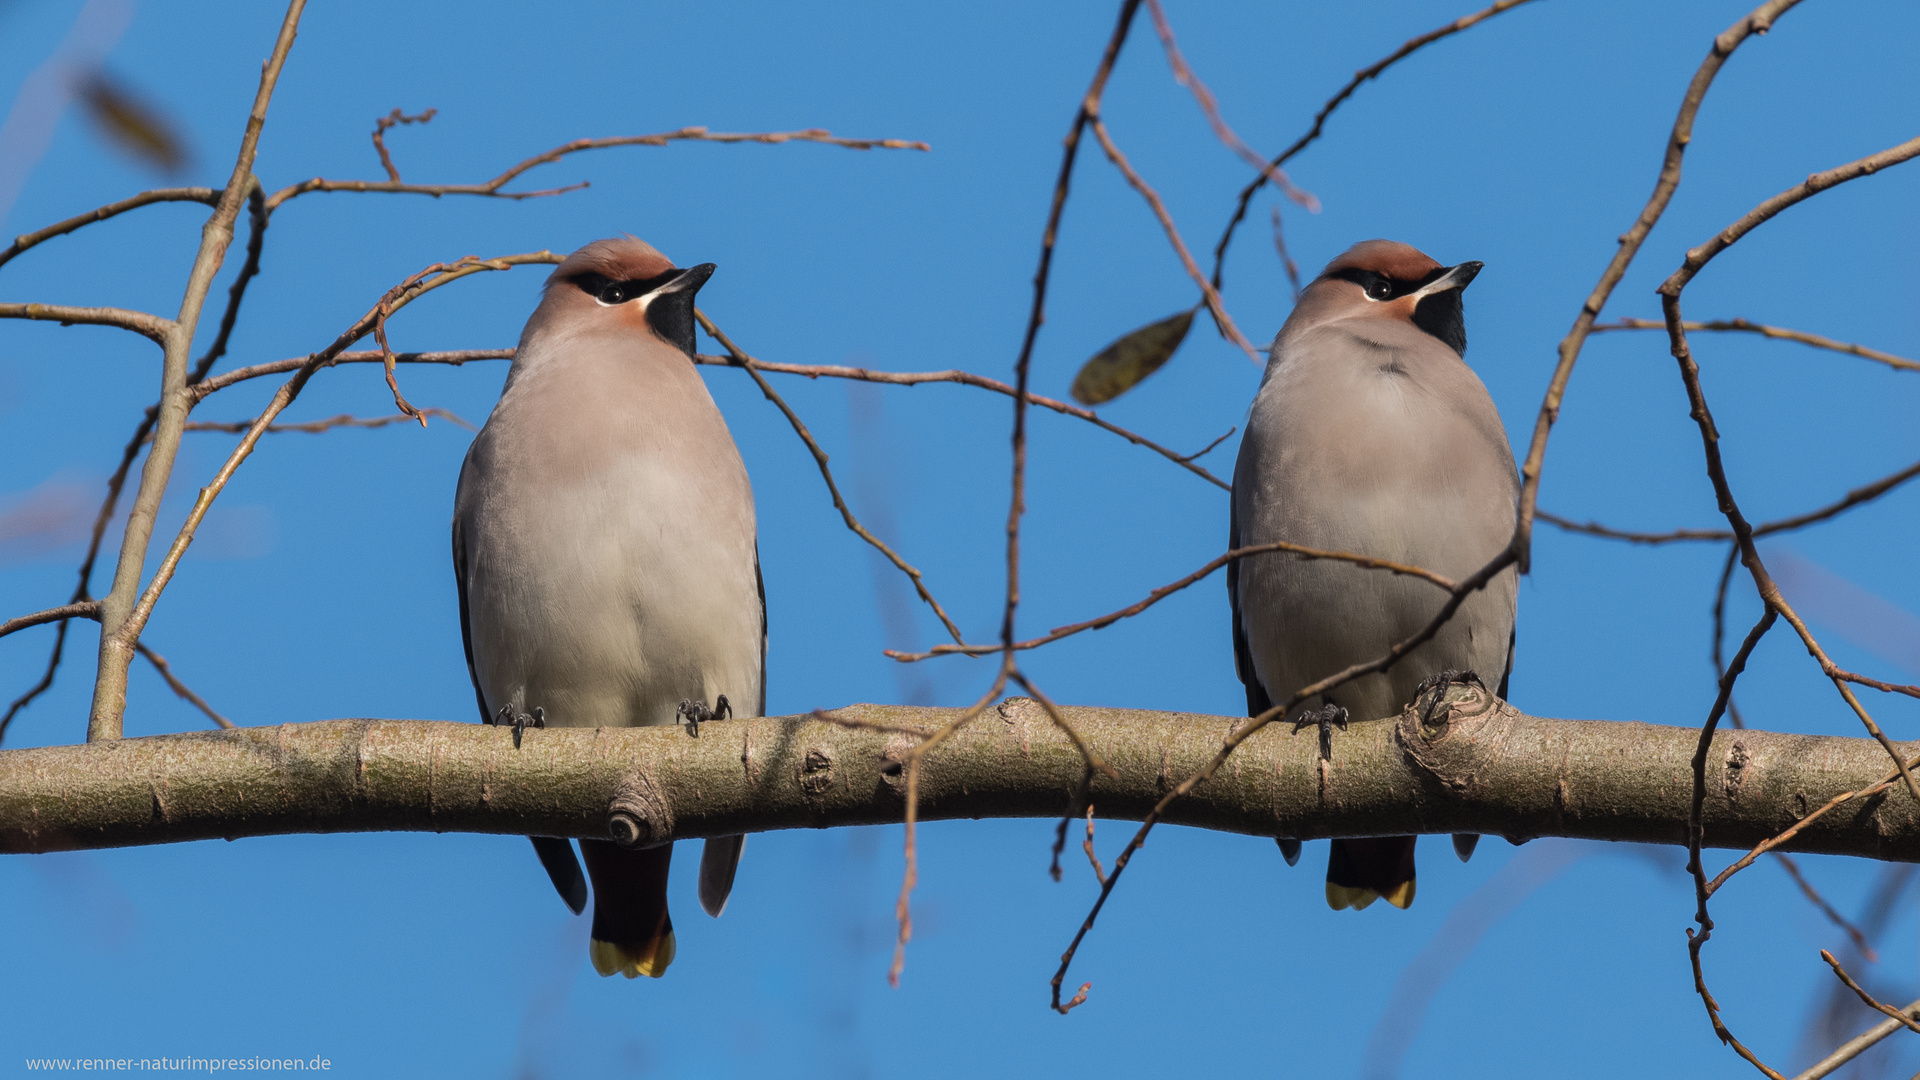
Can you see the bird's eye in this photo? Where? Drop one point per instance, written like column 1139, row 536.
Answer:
column 613, row 293
column 1380, row 289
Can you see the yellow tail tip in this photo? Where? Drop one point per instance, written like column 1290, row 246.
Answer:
column 610, row 959
column 1340, row 897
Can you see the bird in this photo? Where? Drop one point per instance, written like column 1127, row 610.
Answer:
column 1370, row 434
column 608, row 567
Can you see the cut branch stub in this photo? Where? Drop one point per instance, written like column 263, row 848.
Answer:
column 1120, row 366
column 639, row 817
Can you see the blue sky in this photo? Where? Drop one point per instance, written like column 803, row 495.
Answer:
column 321, row 589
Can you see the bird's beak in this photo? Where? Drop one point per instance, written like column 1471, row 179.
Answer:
column 690, row 280
column 1456, row 277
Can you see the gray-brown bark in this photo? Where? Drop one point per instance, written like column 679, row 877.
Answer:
column 1479, row 766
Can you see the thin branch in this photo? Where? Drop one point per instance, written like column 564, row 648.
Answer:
column 1891, row 1012
column 315, row 427
column 84, row 610
column 968, row 378
column 1286, row 257
column 1670, row 294
column 151, row 327
column 1853, row 498
column 1898, row 363
column 1792, row 867
column 1220, row 317
column 396, row 298
column 492, row 187
column 1320, row 119
column 166, row 672
column 1790, row 832
column 820, row 459
column 209, row 196
column 1758, row 21
column 1252, row 726
column 1022, row 365
column 1164, row 591
column 1210, row 447
column 1184, row 75
column 1856, row 1046
column 380, row 127
column 120, row 620
column 1696, row 839
column 257, row 219
column 454, row 358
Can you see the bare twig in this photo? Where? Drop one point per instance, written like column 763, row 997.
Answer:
column 166, row 672
column 968, row 378
column 1286, row 257
column 380, row 127
column 152, row 327
column 1891, row 1012
column 820, row 459
column 1854, row 1047
column 1792, row 867
column 257, row 219
column 1898, row 363
column 1184, row 75
column 1853, row 498
column 83, row 610
column 412, row 289
column 1670, row 293
column 1320, row 119
column 1253, row 725
column 315, row 427
column 1164, row 591
column 454, row 358
column 209, row 196
column 1210, row 447
column 1758, row 21
column 119, row 624
column 1099, row 872
column 1795, row 829
column 1220, row 317
column 1696, row 833
column 492, row 187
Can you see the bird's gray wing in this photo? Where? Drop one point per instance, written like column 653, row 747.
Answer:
column 720, row 858
column 555, row 852
column 1257, row 699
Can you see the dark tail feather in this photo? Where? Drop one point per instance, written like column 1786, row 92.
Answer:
column 556, row 854
column 718, row 860
column 1360, row 870
column 632, row 934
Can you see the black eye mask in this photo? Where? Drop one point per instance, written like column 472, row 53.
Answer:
column 670, row 314
column 608, row 291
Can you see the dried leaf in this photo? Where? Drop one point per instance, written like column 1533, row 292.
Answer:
column 1134, row 357
column 132, row 124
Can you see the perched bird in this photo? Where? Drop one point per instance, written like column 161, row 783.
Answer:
column 1371, row 435
column 604, row 547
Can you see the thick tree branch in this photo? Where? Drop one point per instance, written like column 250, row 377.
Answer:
column 1480, row 766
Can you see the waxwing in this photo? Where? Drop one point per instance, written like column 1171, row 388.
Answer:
column 604, row 550
column 1369, row 434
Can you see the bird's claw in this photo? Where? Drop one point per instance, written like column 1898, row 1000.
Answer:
column 1326, row 718
column 1439, row 681
column 508, row 716
column 696, row 713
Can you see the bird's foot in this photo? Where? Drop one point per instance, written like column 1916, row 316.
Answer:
column 695, row 713
column 1326, row 718
column 1438, row 683
column 518, row 721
